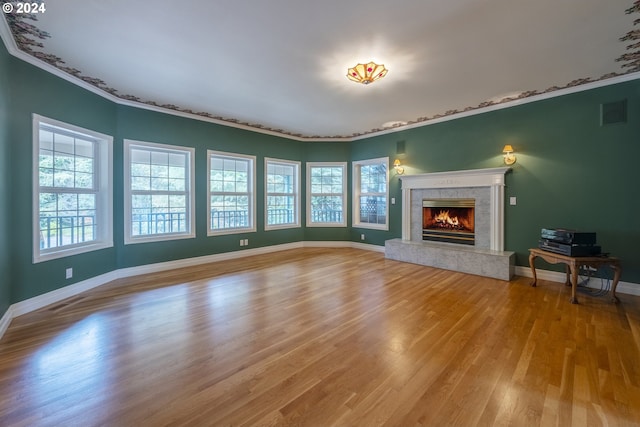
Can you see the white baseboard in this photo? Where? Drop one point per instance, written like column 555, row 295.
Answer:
column 35, row 303
column 556, row 276
column 40, row 301
column 6, row 320
column 190, row 262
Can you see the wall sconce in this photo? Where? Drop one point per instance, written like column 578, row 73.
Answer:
column 509, row 157
column 396, row 165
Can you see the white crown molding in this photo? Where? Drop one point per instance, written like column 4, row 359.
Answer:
column 509, row 104
column 12, row 48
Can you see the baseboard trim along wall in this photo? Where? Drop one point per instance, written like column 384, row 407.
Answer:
column 40, row 301
column 556, row 276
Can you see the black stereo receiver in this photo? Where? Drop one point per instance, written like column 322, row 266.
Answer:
column 569, row 249
column 568, row 237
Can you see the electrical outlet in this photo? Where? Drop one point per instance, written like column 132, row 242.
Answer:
column 513, row 201
column 393, row 200
column 69, row 273
column 362, row 237
column 241, row 242
column 246, row 242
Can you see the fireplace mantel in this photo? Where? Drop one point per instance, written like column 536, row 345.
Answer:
column 486, row 257
column 452, row 179
column 493, row 178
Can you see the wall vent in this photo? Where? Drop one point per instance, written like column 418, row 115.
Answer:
column 613, row 112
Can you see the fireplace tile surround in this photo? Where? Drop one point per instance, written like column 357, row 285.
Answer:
column 487, row 257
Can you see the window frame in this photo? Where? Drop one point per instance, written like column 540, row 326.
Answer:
column 129, row 144
column 251, row 181
column 312, row 165
column 296, row 193
column 102, row 188
column 357, row 167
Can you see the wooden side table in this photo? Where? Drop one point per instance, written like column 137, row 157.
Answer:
column 573, row 265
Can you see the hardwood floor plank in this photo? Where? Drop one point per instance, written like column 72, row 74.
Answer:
column 331, row 337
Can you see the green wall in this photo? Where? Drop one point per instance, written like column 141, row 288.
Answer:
column 5, row 158
column 39, row 92
column 571, row 172
column 145, row 125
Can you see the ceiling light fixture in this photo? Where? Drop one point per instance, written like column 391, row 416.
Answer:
column 366, row 73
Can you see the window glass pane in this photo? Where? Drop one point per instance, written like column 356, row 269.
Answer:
column 140, row 183
column 140, row 156
column 327, row 194
column 63, row 144
column 84, row 164
column 66, row 219
column 70, row 164
column 157, row 174
column 159, row 184
column 84, row 148
column 84, row 180
column 159, row 158
column 281, row 198
column 229, row 183
column 373, row 210
column 371, row 207
column 281, row 210
column 141, row 170
column 46, row 140
column 326, row 209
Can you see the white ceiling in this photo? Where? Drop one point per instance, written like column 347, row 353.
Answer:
column 281, row 64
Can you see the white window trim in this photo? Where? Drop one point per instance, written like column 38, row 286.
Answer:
column 344, row 194
column 190, row 233
column 252, row 192
column 104, row 199
column 296, row 193
column 355, row 212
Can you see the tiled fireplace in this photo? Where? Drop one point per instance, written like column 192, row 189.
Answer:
column 454, row 220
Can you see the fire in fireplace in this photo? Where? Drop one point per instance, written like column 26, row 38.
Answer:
column 449, row 220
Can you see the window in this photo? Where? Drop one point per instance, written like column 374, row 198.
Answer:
column 231, row 193
column 282, row 194
column 72, row 190
column 158, row 183
column 326, row 195
column 371, row 193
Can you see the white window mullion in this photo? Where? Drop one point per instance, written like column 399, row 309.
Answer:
column 282, row 194
column 231, row 193
column 73, row 166
column 374, row 213
column 150, row 212
column 326, row 194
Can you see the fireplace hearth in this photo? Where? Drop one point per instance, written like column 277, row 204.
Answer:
column 449, row 220
column 486, row 257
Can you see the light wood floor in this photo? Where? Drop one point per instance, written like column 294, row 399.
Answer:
column 323, row 337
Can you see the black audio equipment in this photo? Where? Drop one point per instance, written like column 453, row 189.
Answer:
column 569, row 249
column 568, row 237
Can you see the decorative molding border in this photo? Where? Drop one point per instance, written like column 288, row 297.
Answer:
column 22, row 38
column 631, row 59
